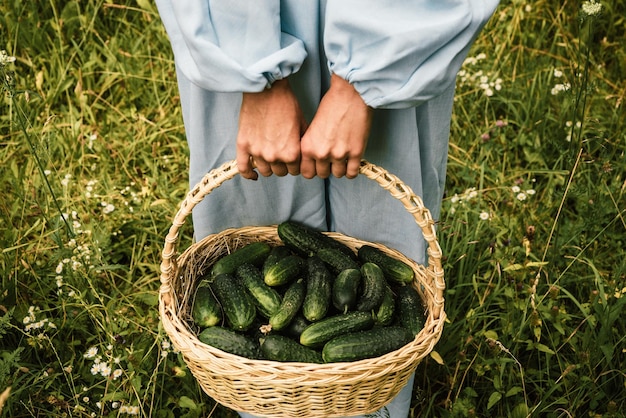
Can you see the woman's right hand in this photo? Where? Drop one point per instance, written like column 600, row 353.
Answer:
column 270, row 127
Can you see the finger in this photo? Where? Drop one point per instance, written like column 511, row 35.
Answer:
column 353, row 167
column 245, row 167
column 293, row 168
column 307, row 168
column 263, row 167
column 322, row 168
column 280, row 169
column 338, row 168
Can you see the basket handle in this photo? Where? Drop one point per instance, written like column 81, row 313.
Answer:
column 412, row 203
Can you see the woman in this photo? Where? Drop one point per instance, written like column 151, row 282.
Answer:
column 300, row 90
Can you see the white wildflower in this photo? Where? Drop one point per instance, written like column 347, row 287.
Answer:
column 66, row 180
column 471, row 193
column 108, row 208
column 558, row 88
column 95, row 369
column 91, row 352
column 5, row 58
column 521, row 196
column 515, row 189
column 130, row 410
column 92, row 138
column 117, row 373
column 105, row 370
column 484, row 216
column 591, row 8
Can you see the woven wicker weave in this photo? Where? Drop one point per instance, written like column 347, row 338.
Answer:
column 277, row 389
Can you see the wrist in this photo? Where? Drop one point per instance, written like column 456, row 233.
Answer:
column 344, row 88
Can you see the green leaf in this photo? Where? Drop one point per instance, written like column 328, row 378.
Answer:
column 513, row 391
column 607, row 350
column 544, row 348
column 491, row 334
column 186, row 402
column 514, row 267
column 494, row 398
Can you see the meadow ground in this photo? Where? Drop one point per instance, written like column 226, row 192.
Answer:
column 93, row 164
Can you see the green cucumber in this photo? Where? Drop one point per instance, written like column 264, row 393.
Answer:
column 365, row 344
column 295, row 327
column 276, row 254
column 410, row 309
column 328, row 328
column 266, row 298
column 345, row 289
column 395, row 270
column 373, row 284
column 237, row 304
column 337, row 260
column 318, row 290
column 308, row 241
column 280, row 348
column 206, row 310
column 230, row 341
column 284, row 271
column 290, row 305
column 384, row 315
column 253, row 253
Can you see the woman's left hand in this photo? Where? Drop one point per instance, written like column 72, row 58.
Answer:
column 336, row 139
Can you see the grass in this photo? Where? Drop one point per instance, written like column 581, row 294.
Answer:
column 93, row 164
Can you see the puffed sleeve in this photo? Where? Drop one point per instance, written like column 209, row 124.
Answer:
column 400, row 53
column 230, row 45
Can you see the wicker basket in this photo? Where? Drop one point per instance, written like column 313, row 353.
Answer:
column 278, row 389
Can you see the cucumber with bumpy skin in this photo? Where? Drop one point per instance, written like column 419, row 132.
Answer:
column 237, row 304
column 394, row 269
column 280, row 348
column 336, row 260
column 266, row 298
column 254, row 253
column 230, row 342
column 373, row 283
column 345, row 289
column 206, row 310
column 319, row 286
column 290, row 305
column 295, row 327
column 307, row 240
column 276, row 254
column 284, row 271
column 365, row 344
column 328, row 328
column 384, row 315
column 410, row 309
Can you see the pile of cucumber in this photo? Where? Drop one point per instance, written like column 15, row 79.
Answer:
column 309, row 299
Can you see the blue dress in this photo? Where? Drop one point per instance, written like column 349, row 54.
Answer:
column 401, row 56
